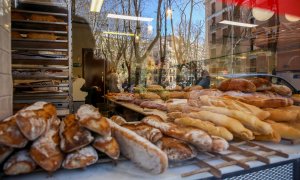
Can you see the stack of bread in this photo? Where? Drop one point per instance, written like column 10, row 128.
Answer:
column 36, row 137
column 241, row 108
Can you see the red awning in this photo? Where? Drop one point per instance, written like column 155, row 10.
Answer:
column 291, row 7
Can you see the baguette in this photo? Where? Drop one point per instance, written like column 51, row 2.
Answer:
column 178, row 95
column 148, row 132
column 219, row 144
column 174, row 115
column 273, row 137
column 231, row 124
column 285, row 131
column 90, row 118
column 237, row 84
column 107, row 145
column 206, row 126
column 249, row 121
column 176, row 150
column 118, row 120
column 282, row 114
column 182, row 107
column 139, row 150
column 196, row 137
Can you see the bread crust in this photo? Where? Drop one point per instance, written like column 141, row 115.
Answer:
column 148, row 132
column 81, row 158
column 19, row 163
column 107, row 145
column 237, row 84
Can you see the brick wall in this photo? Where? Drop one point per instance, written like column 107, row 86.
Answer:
column 6, row 89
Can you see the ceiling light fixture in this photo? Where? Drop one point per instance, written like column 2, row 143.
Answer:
column 233, row 23
column 262, row 14
column 169, row 12
column 118, row 33
column 96, row 5
column 133, row 18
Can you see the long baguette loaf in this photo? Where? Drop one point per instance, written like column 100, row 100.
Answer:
column 249, row 121
column 148, row 132
column 285, row 131
column 273, row 137
column 139, row 150
column 219, row 144
column 231, row 124
column 232, row 104
column 282, row 114
column 182, row 107
column 196, row 137
column 206, row 126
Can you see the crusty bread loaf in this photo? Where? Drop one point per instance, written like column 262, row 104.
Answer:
column 196, row 137
column 34, row 120
column 90, row 118
column 107, row 145
column 191, row 88
column 139, row 150
column 124, row 97
column 155, row 88
column 148, row 132
column 10, row 135
column 41, row 36
column 195, row 94
column 174, row 88
column 237, row 84
column 261, row 84
column 72, row 135
column 273, row 137
column 174, row 115
column 281, row 90
column 178, row 95
column 231, row 124
column 5, row 151
column 182, row 107
column 118, row 120
column 45, row 151
column 248, row 120
column 47, row 18
column 206, row 126
column 282, row 114
column 176, row 150
column 264, row 99
column 153, row 105
column 285, row 131
column 149, row 95
column 219, row 144
column 81, row 158
column 19, row 163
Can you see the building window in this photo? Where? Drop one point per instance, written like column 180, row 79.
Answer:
column 225, row 35
column 253, row 65
column 225, row 15
column 213, row 8
column 213, row 38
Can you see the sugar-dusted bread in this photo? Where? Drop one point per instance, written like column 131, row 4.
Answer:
column 10, row 134
column 34, row 120
column 5, row 151
column 176, row 150
column 139, row 150
column 45, row 151
column 148, row 132
column 19, row 163
column 107, row 145
column 81, row 158
column 72, row 135
column 281, row 90
column 90, row 118
column 237, row 84
column 191, row 88
column 261, row 84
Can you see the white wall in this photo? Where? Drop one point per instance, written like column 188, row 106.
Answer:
column 6, row 87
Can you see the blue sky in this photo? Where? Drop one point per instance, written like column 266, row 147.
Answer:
column 150, row 8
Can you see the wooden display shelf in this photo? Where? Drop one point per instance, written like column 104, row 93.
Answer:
column 41, row 3
column 38, row 49
column 39, row 31
column 40, row 86
column 39, row 40
column 39, row 12
column 43, row 67
column 39, row 22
